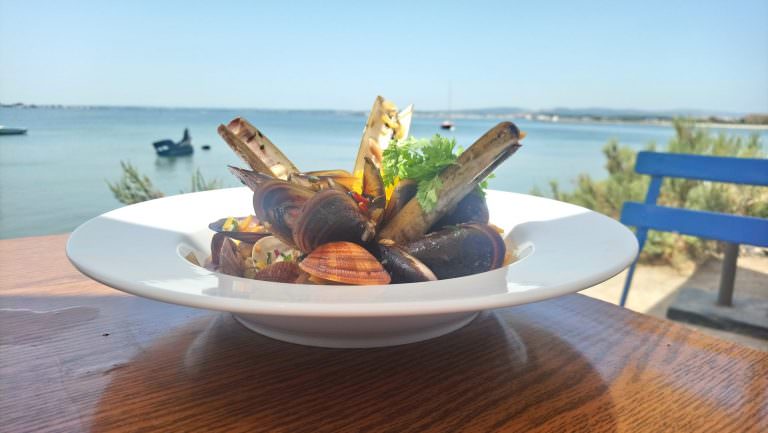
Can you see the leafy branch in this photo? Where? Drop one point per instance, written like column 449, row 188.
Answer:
column 133, row 187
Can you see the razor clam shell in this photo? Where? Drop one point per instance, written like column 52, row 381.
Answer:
column 377, row 135
column 256, row 149
column 456, row 181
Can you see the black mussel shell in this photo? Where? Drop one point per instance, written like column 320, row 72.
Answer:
column 216, row 242
column 404, row 191
column 373, row 188
column 249, row 237
column 401, row 266
column 251, row 179
column 316, row 183
column 280, row 204
column 461, row 250
column 471, row 209
column 331, row 216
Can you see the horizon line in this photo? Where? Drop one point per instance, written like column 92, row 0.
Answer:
column 516, row 110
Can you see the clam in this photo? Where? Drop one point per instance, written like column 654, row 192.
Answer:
column 280, row 204
column 459, row 250
column 254, row 231
column 263, row 251
column 471, row 209
column 344, row 262
column 401, row 266
column 280, row 272
column 329, row 216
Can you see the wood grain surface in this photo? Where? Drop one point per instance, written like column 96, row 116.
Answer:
column 78, row 356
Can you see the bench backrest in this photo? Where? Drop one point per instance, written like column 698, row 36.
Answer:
column 710, row 225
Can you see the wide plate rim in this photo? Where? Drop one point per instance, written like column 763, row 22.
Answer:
column 621, row 239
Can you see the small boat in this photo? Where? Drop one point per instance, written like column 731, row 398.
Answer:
column 447, row 125
column 171, row 148
column 206, row 147
column 4, row 130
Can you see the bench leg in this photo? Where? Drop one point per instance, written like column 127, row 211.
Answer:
column 728, row 275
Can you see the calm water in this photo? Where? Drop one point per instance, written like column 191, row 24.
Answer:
column 54, row 178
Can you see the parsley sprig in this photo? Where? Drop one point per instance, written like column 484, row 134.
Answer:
column 421, row 160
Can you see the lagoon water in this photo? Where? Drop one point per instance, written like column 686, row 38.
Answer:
column 54, row 178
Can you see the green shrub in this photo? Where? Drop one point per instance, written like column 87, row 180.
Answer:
column 623, row 184
column 133, row 187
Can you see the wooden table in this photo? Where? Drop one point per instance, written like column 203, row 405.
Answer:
column 78, row 356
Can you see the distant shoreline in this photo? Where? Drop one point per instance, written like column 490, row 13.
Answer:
column 664, row 123
column 536, row 116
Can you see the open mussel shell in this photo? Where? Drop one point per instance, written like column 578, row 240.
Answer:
column 404, row 191
column 343, row 178
column 229, row 262
column 217, row 241
column 401, row 266
column 471, row 209
column 331, row 216
column 280, row 204
column 344, row 262
column 459, row 250
column 317, row 183
column 251, row 179
column 373, row 188
column 249, row 237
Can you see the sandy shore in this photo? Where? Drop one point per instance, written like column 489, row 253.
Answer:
column 655, row 287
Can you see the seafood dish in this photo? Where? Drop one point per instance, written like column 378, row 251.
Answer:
column 410, row 210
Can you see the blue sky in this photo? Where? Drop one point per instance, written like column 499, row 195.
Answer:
column 536, row 54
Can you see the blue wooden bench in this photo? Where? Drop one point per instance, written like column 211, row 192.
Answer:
column 732, row 229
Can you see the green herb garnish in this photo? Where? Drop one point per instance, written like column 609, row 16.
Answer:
column 421, row 160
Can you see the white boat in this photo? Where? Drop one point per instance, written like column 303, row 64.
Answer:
column 4, row 130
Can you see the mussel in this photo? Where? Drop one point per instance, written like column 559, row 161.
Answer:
column 401, row 266
column 280, row 204
column 331, row 216
column 247, row 236
column 316, row 183
column 455, row 182
column 459, row 250
column 344, row 262
column 217, row 241
column 340, row 177
column 229, row 261
column 251, row 179
column 373, row 190
column 471, row 209
column 404, row 191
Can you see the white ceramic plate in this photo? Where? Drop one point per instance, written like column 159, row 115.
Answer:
column 140, row 249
